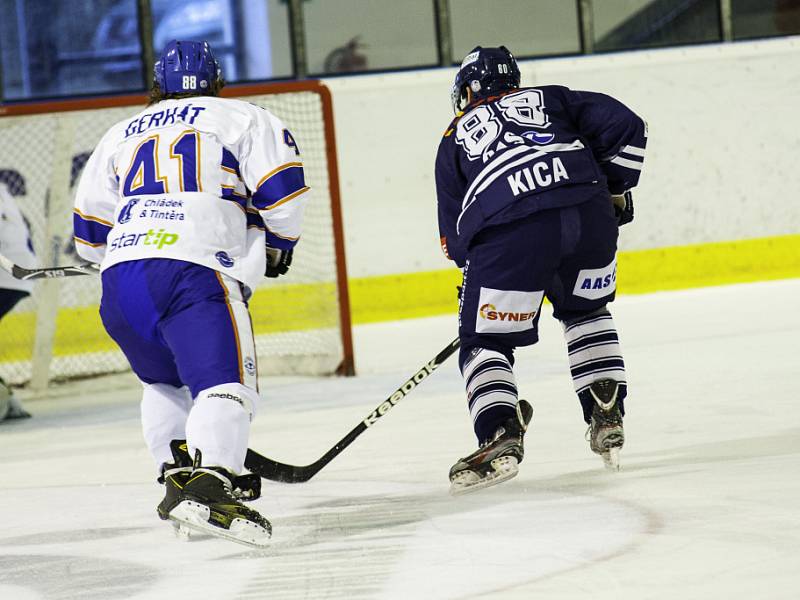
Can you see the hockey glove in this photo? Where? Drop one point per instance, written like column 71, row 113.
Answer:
column 278, row 262
column 623, row 207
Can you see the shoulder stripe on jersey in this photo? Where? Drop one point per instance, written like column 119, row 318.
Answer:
column 229, row 193
column 278, row 170
column 286, row 199
column 229, row 162
column 254, row 220
column 91, row 218
column 273, row 240
column 85, row 243
column 624, row 162
column 280, row 186
column 634, row 150
column 90, row 231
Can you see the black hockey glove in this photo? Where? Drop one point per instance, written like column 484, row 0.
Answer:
column 278, row 262
column 623, row 207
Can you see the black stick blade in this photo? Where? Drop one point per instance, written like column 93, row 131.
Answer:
column 277, row 471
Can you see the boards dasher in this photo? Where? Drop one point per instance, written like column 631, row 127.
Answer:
column 186, row 206
column 532, row 185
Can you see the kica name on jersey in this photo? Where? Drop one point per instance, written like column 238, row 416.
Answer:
column 538, row 175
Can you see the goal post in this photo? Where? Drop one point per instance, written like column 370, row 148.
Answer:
column 301, row 321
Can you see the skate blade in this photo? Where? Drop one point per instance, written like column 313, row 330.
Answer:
column 611, row 459
column 181, row 532
column 466, row 482
column 194, row 516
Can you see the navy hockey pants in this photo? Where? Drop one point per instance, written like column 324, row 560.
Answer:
column 179, row 323
column 566, row 254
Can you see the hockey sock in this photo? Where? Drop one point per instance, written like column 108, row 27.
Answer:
column 594, row 353
column 491, row 391
column 164, row 412
column 219, row 425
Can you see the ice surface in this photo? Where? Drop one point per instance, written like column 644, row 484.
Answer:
column 705, row 506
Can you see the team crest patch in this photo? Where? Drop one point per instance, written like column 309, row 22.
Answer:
column 224, row 259
column 539, row 138
column 597, row 283
column 126, row 213
column 249, row 365
column 507, row 311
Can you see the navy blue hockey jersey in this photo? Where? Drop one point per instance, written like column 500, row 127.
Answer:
column 528, row 150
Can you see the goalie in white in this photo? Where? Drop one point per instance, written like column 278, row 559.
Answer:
column 187, row 205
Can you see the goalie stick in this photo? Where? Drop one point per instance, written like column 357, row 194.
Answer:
column 48, row 272
column 277, row 471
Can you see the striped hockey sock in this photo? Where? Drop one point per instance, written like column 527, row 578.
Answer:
column 594, row 353
column 491, row 391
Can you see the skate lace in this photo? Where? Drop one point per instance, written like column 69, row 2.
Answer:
column 226, row 482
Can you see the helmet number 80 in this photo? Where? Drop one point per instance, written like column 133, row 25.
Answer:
column 190, row 82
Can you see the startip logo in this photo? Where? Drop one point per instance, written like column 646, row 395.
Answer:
column 159, row 239
column 490, row 313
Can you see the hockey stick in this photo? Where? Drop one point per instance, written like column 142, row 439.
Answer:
column 255, row 462
column 277, row 471
column 49, row 272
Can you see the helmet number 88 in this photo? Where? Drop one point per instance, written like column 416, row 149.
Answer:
column 190, row 82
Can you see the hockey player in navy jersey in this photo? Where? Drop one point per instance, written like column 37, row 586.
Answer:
column 187, row 205
column 532, row 185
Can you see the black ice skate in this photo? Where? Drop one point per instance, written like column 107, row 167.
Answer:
column 174, row 476
column 495, row 461
column 207, row 503
column 605, row 434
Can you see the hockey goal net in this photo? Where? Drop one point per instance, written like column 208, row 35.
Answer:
column 301, row 321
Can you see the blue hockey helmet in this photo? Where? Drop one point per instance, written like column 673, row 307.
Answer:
column 483, row 72
column 187, row 68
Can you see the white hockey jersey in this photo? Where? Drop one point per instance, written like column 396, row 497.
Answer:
column 15, row 242
column 205, row 180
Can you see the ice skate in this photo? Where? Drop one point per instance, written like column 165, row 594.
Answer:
column 605, row 434
column 174, row 477
column 495, row 461
column 206, row 503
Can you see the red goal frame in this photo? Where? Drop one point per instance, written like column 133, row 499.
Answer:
column 347, row 366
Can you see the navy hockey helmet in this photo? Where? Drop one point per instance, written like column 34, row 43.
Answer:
column 187, row 68
column 483, row 72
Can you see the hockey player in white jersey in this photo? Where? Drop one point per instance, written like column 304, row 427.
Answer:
column 186, row 206
column 16, row 245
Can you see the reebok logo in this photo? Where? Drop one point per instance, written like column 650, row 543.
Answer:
column 401, row 393
column 227, row 397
